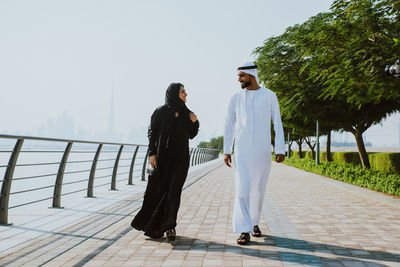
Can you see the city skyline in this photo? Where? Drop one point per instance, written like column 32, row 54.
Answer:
column 64, row 125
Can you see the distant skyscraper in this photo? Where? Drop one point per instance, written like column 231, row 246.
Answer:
column 346, row 137
column 111, row 122
column 399, row 135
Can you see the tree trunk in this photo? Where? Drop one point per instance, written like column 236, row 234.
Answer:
column 361, row 150
column 311, row 148
column 313, row 153
column 300, row 150
column 328, row 147
column 290, row 149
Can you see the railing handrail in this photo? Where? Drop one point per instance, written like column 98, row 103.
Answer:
column 64, row 140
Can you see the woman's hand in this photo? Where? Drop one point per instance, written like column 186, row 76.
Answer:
column 193, row 117
column 153, row 161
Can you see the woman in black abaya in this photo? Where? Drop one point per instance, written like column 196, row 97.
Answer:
column 170, row 129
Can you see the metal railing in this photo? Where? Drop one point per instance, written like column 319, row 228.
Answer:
column 117, row 156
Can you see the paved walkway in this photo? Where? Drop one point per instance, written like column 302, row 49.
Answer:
column 307, row 220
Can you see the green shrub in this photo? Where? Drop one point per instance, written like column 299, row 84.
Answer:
column 347, row 157
column 296, row 154
column 387, row 162
column 323, row 156
column 308, row 155
column 377, row 180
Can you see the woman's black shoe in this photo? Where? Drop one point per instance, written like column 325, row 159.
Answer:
column 171, row 234
column 257, row 231
column 243, row 239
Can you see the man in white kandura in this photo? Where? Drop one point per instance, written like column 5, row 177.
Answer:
column 248, row 123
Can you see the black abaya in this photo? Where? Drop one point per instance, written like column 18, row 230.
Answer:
column 169, row 137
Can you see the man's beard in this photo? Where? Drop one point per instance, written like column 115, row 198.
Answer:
column 245, row 84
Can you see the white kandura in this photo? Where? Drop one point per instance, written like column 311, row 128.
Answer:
column 248, row 122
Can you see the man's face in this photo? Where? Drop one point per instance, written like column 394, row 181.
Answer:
column 244, row 79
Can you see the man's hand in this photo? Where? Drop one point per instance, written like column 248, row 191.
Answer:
column 228, row 160
column 193, row 117
column 153, row 161
column 279, row 158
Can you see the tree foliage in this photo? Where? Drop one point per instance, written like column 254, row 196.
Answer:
column 330, row 68
column 215, row 143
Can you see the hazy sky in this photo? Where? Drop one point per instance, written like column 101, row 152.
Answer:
column 65, row 56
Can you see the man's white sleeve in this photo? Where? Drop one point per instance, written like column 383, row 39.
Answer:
column 229, row 130
column 276, row 119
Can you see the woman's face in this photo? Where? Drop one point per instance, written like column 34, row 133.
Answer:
column 182, row 94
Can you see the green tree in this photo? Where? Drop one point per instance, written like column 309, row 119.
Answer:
column 281, row 63
column 349, row 51
column 202, row 144
column 217, row 143
column 214, row 143
column 330, row 68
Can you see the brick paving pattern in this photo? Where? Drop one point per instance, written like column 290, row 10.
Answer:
column 307, row 220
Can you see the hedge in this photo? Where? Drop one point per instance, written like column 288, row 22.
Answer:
column 346, row 157
column 377, row 180
column 304, row 154
column 387, row 162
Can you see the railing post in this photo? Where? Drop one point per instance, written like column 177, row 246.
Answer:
column 60, row 176
column 199, row 155
column 130, row 180
column 93, row 171
column 145, row 165
column 6, row 187
column 192, row 154
column 196, row 153
column 202, row 156
column 115, row 170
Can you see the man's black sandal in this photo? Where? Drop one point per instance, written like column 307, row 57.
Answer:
column 257, row 231
column 171, row 234
column 243, row 239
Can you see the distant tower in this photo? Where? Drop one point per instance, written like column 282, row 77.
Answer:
column 111, row 122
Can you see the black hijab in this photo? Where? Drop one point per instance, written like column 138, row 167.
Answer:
column 173, row 101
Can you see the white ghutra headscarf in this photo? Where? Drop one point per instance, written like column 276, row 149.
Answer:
column 250, row 68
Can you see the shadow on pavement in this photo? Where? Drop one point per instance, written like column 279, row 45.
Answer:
column 343, row 255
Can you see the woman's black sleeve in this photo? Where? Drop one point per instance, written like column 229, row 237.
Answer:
column 153, row 133
column 194, row 129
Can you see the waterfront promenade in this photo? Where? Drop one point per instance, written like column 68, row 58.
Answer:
column 308, row 220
